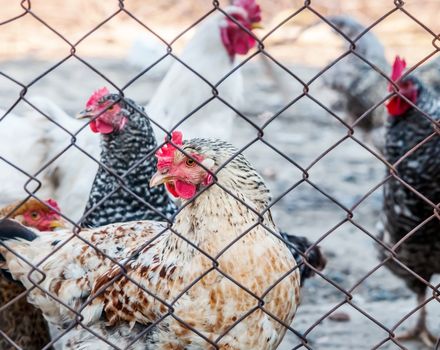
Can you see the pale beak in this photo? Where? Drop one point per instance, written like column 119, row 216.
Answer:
column 257, row 25
column 57, row 224
column 159, row 179
column 87, row 113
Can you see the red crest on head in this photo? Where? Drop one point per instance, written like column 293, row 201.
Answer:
column 96, row 96
column 53, row 203
column 165, row 154
column 399, row 66
column 252, row 8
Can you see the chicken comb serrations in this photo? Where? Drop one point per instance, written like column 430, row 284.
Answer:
column 165, row 154
column 399, row 66
column 252, row 8
column 53, row 203
column 96, row 96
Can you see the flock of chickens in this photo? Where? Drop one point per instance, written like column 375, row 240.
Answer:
column 172, row 245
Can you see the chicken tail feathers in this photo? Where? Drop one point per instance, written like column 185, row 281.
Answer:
column 298, row 245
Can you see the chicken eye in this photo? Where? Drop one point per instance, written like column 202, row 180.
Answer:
column 190, row 162
column 35, row 215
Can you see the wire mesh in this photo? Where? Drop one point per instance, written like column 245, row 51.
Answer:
column 304, row 339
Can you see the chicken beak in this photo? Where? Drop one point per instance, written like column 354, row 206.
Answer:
column 87, row 113
column 257, row 25
column 57, row 224
column 159, row 179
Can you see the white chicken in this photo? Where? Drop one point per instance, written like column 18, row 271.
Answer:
column 69, row 178
column 211, row 53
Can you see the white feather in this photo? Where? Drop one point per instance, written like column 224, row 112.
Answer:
column 69, row 178
column 182, row 91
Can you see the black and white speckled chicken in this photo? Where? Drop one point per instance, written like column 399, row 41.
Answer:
column 218, row 212
column 127, row 149
column 411, row 226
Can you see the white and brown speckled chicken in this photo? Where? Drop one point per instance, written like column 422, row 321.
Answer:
column 412, row 147
column 21, row 322
column 187, row 269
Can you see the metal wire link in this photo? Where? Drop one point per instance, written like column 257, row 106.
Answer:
column 36, row 275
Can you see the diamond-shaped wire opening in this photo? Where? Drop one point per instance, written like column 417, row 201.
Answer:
column 308, row 173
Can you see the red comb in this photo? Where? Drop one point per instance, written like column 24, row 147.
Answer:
column 165, row 154
column 96, row 96
column 53, row 203
column 399, row 66
column 252, row 8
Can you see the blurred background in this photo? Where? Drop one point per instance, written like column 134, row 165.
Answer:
column 304, row 132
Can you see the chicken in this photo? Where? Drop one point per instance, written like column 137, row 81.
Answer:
column 411, row 224
column 13, row 180
column 20, row 321
column 211, row 53
column 191, row 269
column 127, row 146
column 66, row 179
column 362, row 86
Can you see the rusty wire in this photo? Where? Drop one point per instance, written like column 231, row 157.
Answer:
column 303, row 339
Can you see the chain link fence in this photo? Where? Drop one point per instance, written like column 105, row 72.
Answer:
column 260, row 134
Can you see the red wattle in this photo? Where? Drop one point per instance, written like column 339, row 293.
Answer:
column 172, row 189
column 185, row 189
column 397, row 106
column 93, row 126
column 103, row 127
column 241, row 46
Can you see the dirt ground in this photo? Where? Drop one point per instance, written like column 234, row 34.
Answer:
column 303, row 133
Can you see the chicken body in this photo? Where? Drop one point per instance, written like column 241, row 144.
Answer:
column 31, row 130
column 361, row 86
column 181, row 91
column 67, row 179
column 202, row 294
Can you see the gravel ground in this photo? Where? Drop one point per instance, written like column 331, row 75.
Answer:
column 303, row 133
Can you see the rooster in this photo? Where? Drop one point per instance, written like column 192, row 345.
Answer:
column 127, row 140
column 211, row 53
column 20, row 321
column 222, row 198
column 404, row 210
